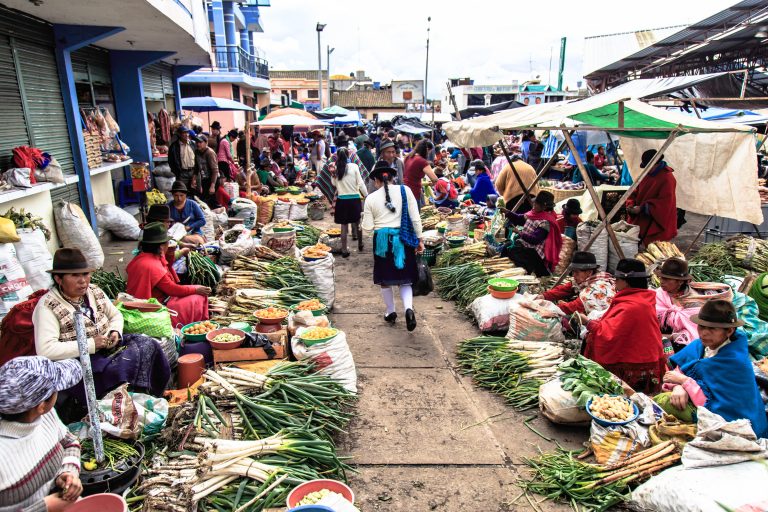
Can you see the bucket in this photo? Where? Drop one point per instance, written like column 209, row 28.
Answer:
column 191, row 368
column 100, row 503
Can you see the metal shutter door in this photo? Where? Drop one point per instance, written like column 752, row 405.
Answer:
column 69, row 193
column 44, row 102
column 94, row 61
column 152, row 77
column 14, row 132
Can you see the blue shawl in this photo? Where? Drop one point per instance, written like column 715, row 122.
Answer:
column 482, row 189
column 727, row 380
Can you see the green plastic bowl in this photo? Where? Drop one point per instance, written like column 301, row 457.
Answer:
column 283, row 230
column 195, row 337
column 243, row 326
column 310, row 343
column 315, row 312
column 502, row 284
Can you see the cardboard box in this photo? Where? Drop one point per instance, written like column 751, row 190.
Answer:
column 246, row 354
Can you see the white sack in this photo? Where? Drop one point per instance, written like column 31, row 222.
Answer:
column 75, row 231
column 534, row 320
column 118, row 221
column 332, row 358
column 628, row 241
column 298, row 212
column 32, row 252
column 559, row 406
column 243, row 246
column 13, row 283
column 282, row 211
column 320, row 273
column 599, row 247
column 490, row 313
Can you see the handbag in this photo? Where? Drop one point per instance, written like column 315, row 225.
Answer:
column 407, row 233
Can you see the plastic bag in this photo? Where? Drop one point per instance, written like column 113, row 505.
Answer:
column 629, row 240
column 117, row 414
column 490, row 313
column 614, row 444
column 118, row 221
column 13, row 282
column 151, row 412
column 534, row 320
column 566, row 255
column 208, row 229
column 298, row 212
column 8, row 233
column 155, row 324
column 332, row 358
column 243, row 246
column 282, row 243
column 424, row 284
column 75, row 231
column 36, row 260
column 305, row 319
column 559, row 406
column 320, row 273
column 19, row 177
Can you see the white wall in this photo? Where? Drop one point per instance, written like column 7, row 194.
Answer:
column 102, row 189
column 40, row 205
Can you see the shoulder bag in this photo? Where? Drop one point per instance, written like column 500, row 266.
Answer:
column 407, row 233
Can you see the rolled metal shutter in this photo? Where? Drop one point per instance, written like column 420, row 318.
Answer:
column 91, row 62
column 69, row 193
column 14, row 132
column 153, row 77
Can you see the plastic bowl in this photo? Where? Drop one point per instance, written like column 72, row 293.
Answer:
column 100, row 503
column 271, row 321
column 283, row 230
column 502, row 284
column 294, row 192
column 497, row 294
column 195, row 337
column 310, row 343
column 300, row 491
column 218, row 345
column 315, row 312
column 606, row 423
column 311, row 508
column 243, row 326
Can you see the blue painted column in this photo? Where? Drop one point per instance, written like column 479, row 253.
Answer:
column 68, row 39
column 178, row 72
column 252, row 45
column 129, row 98
column 229, row 34
column 245, row 41
column 217, row 18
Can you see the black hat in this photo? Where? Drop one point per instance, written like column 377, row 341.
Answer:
column 158, row 213
column 380, row 169
column 179, row 186
column 216, row 125
column 70, row 260
column 648, row 156
column 232, row 133
column 717, row 313
column 545, row 199
column 573, row 207
column 630, row 268
column 675, row 268
column 155, row 233
column 583, row 260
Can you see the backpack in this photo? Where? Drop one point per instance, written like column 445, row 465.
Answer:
column 17, row 333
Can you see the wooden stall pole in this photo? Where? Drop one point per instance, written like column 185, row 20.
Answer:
column 514, row 171
column 541, row 173
column 453, row 100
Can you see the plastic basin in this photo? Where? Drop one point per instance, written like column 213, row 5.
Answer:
column 218, row 345
column 310, row 343
column 271, row 321
column 503, row 284
column 496, row 294
column 607, row 423
column 298, row 493
column 195, row 337
column 100, row 503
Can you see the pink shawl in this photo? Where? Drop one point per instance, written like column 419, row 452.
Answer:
column 676, row 317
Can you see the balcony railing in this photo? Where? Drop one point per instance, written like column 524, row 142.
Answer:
column 233, row 58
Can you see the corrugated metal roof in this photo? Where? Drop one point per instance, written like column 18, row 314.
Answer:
column 310, row 74
column 602, row 50
column 365, row 99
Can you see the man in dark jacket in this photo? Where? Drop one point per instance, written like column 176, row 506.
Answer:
column 208, row 170
column 182, row 158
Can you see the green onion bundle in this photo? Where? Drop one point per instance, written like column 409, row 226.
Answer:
column 111, row 283
column 115, row 451
column 202, row 271
column 751, row 253
column 307, row 235
column 719, row 260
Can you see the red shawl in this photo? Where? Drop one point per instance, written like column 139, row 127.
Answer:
column 554, row 241
column 628, row 332
column 144, row 272
column 657, row 191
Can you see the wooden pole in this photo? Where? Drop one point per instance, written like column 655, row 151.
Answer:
column 453, row 101
column 541, row 173
column 514, row 171
column 621, row 114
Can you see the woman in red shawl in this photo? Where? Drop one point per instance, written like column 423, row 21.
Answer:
column 626, row 341
column 149, row 276
column 653, row 205
column 537, row 248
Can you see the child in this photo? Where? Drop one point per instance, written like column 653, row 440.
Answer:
column 446, row 194
column 570, row 218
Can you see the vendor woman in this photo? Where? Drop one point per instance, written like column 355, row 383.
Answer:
column 715, row 371
column 116, row 359
column 626, row 341
column 150, row 276
column 590, row 292
column 537, row 248
column 671, row 307
column 187, row 213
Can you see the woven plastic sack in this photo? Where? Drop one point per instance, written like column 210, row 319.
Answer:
column 282, row 211
column 155, row 324
column 35, row 258
column 490, row 313
column 13, row 282
column 298, row 212
column 75, row 231
column 243, row 246
column 209, row 228
column 566, row 255
column 320, row 273
column 118, row 222
column 629, row 240
column 559, row 406
column 534, row 320
column 600, row 246
column 282, row 243
column 332, row 358
column 265, row 209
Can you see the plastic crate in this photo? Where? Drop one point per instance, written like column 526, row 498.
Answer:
column 713, row 235
column 430, row 255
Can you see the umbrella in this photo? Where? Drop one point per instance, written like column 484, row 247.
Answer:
column 213, row 104
column 290, row 120
column 288, row 112
column 334, row 111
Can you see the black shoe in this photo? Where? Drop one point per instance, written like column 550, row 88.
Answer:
column 360, row 244
column 390, row 318
column 345, row 254
column 410, row 319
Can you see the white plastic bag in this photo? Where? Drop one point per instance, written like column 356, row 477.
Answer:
column 282, row 211
column 118, row 221
column 559, row 406
column 75, row 231
column 18, row 177
column 13, row 283
column 32, row 252
column 600, row 246
column 490, row 313
column 151, row 412
column 629, row 240
column 320, row 273
column 298, row 212
column 332, row 358
column 209, row 228
column 534, row 320
column 243, row 246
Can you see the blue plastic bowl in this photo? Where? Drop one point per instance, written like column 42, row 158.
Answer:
column 606, row 423
column 311, row 508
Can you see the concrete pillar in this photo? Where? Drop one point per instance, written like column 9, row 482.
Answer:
column 245, row 41
column 251, row 38
column 229, row 34
column 217, row 16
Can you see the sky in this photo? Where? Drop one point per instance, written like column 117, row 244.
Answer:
column 490, row 41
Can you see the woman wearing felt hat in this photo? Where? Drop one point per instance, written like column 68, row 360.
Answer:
column 116, row 359
column 626, row 341
column 715, row 371
column 673, row 309
column 590, row 292
column 187, row 212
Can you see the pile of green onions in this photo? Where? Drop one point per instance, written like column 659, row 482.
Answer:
column 713, row 261
column 751, row 253
column 115, row 451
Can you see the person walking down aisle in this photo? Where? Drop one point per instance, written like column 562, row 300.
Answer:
column 394, row 262
column 351, row 188
column 417, row 166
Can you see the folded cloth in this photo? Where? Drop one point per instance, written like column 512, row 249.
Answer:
column 719, row 442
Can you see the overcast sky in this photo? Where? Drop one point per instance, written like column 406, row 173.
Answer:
column 491, row 41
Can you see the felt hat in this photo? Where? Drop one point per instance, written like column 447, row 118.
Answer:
column 380, row 169
column 216, row 125
column 155, row 233
column 179, row 186
column 629, row 268
column 70, row 260
column 648, row 156
column 202, row 138
column 583, row 260
column 675, row 268
column 717, row 313
column 386, row 145
column 28, row 381
column 545, row 199
column 159, row 213
column 573, row 207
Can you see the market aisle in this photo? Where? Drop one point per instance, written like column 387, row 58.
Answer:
column 424, row 438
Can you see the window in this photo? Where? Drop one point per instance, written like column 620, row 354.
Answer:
column 294, row 95
column 313, row 94
column 236, row 92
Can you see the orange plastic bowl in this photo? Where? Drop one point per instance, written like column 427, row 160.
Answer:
column 100, row 503
column 501, row 295
column 218, row 345
column 298, row 493
column 271, row 321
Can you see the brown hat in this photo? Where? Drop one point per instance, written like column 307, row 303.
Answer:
column 717, row 313
column 675, row 268
column 159, row 213
column 70, row 260
column 179, row 186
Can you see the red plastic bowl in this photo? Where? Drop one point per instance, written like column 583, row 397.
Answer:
column 501, row 295
column 271, row 321
column 298, row 493
column 100, row 503
column 218, row 345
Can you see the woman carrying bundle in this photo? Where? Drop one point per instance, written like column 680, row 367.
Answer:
column 394, row 262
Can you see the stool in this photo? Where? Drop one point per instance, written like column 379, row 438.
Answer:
column 126, row 195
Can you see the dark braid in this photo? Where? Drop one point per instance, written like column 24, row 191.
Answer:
column 341, row 163
column 388, row 204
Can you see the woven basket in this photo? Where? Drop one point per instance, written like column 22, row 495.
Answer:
column 561, row 194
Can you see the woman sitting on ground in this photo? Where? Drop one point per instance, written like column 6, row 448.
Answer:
column 715, row 371
column 188, row 213
column 674, row 315
column 537, row 248
column 483, row 186
column 569, row 220
column 446, row 194
column 590, row 292
column 149, row 276
column 595, row 176
column 626, row 341
column 116, row 359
